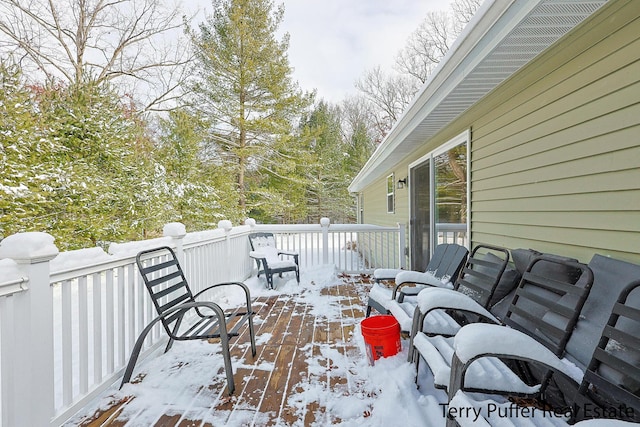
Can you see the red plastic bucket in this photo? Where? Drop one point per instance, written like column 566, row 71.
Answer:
column 381, row 336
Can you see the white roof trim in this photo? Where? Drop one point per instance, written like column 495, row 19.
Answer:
column 503, row 36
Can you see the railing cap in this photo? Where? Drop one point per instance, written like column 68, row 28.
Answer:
column 225, row 224
column 177, row 230
column 29, row 248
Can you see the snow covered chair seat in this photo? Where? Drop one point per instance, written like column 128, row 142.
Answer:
column 480, row 280
column 401, row 309
column 608, row 388
column 182, row 316
column 442, row 270
column 546, row 308
column 270, row 259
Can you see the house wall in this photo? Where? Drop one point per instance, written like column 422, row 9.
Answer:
column 374, row 203
column 555, row 152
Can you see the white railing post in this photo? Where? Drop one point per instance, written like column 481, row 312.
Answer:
column 177, row 231
column 402, row 241
column 251, row 223
column 226, row 226
column 324, row 223
column 31, row 400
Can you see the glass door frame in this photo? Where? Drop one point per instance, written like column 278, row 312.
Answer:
column 464, row 137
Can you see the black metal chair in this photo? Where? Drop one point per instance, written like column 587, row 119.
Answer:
column 270, row 259
column 478, row 281
column 446, row 263
column 545, row 308
column 182, row 317
column 610, row 386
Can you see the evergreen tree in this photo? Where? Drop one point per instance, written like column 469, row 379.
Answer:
column 74, row 164
column 341, row 143
column 105, row 195
column 359, row 132
column 243, row 84
column 325, row 194
column 195, row 188
column 27, row 173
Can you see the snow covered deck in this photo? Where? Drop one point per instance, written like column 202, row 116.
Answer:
column 310, row 369
column 69, row 320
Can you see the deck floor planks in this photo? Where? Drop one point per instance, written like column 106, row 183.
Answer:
column 285, row 339
column 268, row 386
column 252, row 375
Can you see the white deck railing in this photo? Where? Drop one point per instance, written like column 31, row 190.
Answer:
column 68, row 321
column 452, row 233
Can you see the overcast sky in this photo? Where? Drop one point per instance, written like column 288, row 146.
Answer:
column 333, row 42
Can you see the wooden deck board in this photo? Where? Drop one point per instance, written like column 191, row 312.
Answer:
column 268, row 386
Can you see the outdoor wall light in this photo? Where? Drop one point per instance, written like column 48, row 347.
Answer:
column 401, row 183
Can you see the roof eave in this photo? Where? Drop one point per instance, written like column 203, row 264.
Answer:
column 477, row 49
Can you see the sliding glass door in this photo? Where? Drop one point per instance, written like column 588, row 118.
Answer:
column 439, row 200
column 420, row 226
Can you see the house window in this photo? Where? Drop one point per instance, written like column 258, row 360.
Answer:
column 391, row 202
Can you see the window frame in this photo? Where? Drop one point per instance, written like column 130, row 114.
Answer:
column 391, row 195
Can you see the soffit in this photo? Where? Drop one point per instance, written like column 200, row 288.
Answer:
column 502, row 38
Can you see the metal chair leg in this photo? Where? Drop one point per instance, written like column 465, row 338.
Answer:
column 136, row 351
column 252, row 336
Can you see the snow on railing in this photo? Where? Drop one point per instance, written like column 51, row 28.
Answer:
column 68, row 321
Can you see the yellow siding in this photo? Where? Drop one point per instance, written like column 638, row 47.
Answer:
column 375, row 202
column 375, row 205
column 555, row 150
column 556, row 162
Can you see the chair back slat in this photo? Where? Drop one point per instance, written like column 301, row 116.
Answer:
column 545, row 300
column 447, row 260
column 165, row 282
column 482, row 273
column 164, row 279
column 260, row 240
column 148, row 269
column 169, row 290
column 547, row 308
column 547, row 333
column 623, row 338
column 612, row 379
column 180, row 299
column 558, row 287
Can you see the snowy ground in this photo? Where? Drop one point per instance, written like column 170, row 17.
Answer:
column 387, row 394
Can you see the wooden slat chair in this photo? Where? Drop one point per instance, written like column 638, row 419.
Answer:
column 270, row 259
column 609, row 388
column 545, row 308
column 182, row 316
column 442, row 270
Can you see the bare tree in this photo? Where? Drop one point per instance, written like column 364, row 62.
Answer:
column 390, row 95
column 427, row 46
column 463, row 11
column 135, row 44
column 433, row 38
